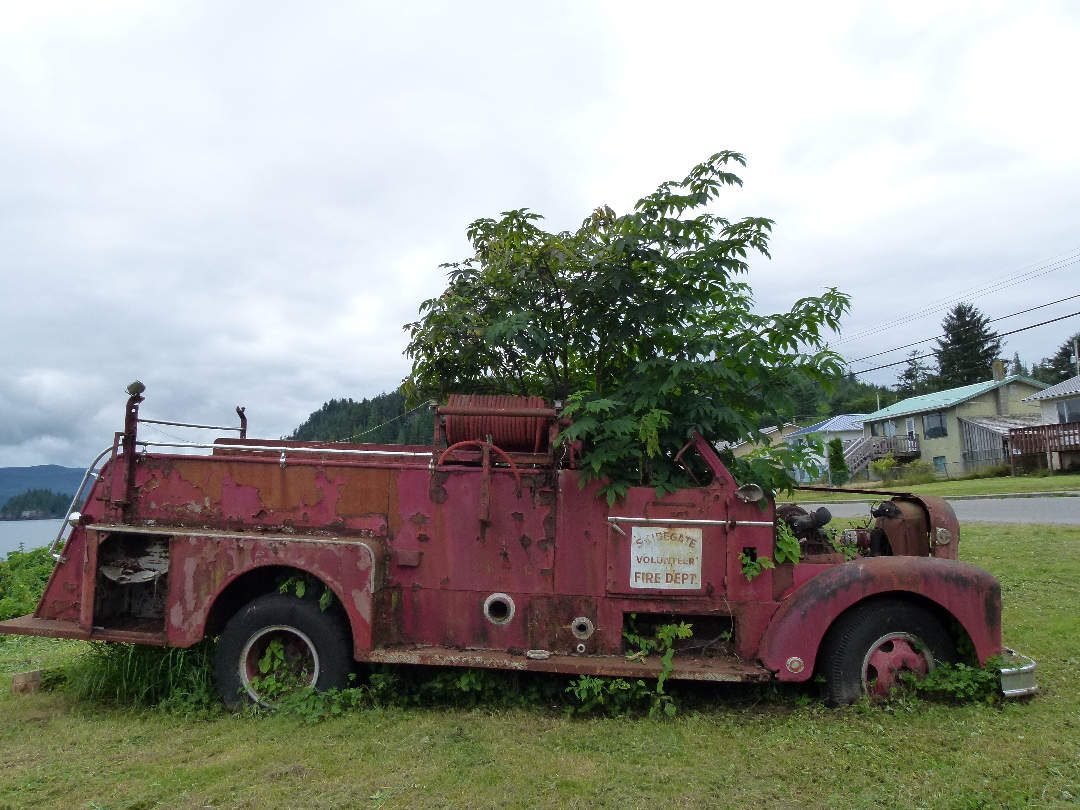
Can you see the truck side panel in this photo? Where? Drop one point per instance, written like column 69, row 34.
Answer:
column 223, row 492
column 203, row 566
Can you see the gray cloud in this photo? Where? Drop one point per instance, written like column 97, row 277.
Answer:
column 242, row 203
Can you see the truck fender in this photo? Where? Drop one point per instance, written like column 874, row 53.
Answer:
column 207, row 566
column 966, row 592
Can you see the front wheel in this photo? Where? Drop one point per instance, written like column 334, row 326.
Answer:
column 873, row 648
column 277, row 645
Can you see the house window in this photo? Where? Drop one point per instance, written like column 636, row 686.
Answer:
column 934, row 425
column 939, row 464
column 873, row 429
column 1069, row 410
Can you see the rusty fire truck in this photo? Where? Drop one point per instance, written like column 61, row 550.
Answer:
column 482, row 550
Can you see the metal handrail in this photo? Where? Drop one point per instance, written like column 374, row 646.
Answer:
column 285, row 450
column 186, row 424
column 75, row 502
column 240, row 411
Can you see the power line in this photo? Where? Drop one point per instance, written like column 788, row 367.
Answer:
column 992, row 320
column 994, row 285
column 423, row 404
column 931, row 354
column 918, row 317
column 973, row 292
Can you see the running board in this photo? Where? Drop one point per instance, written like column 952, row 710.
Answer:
column 688, row 669
column 55, row 628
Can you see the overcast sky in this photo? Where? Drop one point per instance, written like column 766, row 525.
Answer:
column 240, row 203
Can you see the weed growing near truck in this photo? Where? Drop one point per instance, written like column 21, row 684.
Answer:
column 23, row 575
column 174, row 680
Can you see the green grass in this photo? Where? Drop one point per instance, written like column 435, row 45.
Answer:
column 742, row 748
column 975, row 486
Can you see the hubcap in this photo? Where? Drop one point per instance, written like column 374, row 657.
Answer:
column 275, row 661
column 890, row 657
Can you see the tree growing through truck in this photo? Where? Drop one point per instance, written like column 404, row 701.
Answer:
column 639, row 323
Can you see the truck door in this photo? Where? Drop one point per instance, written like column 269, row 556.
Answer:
column 448, row 538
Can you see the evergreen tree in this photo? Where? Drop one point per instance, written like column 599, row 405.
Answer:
column 968, row 349
column 1058, row 368
column 843, row 393
column 379, row 420
column 916, row 378
column 851, row 395
column 839, row 474
column 1017, row 367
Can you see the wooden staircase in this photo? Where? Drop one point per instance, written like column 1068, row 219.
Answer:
column 861, row 452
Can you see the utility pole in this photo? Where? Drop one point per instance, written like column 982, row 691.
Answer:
column 1076, row 355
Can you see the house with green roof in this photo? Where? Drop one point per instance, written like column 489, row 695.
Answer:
column 958, row 431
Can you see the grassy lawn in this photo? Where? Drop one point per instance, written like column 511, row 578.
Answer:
column 977, row 486
column 744, row 748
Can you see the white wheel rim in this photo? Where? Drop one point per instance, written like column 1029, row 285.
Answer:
column 255, row 647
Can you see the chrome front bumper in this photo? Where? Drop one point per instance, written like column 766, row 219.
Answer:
column 1017, row 674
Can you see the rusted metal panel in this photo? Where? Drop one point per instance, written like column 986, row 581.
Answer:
column 89, row 577
column 966, row 592
column 908, row 532
column 224, row 492
column 205, row 564
column 943, row 529
column 439, row 515
column 578, row 518
column 62, row 597
column 924, row 525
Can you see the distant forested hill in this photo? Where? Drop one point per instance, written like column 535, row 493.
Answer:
column 16, row 480
column 36, row 504
column 379, row 420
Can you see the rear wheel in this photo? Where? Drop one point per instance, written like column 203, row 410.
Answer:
column 872, row 649
column 277, row 645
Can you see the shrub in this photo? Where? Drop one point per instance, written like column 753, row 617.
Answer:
column 22, row 579
column 917, row 472
column 883, row 468
column 839, row 473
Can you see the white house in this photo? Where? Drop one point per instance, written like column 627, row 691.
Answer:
column 848, row 427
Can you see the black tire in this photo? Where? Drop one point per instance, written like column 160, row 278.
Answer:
column 868, row 648
column 314, row 645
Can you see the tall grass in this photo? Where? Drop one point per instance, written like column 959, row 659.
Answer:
column 127, row 674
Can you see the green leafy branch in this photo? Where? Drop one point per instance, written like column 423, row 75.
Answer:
column 300, row 584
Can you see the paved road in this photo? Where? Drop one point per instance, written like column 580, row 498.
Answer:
column 1003, row 510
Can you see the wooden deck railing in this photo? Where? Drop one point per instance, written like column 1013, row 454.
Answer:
column 1045, row 438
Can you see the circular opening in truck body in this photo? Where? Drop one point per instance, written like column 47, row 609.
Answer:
column 499, row 608
column 582, row 627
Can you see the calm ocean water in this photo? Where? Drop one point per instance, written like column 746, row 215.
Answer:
column 31, row 533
